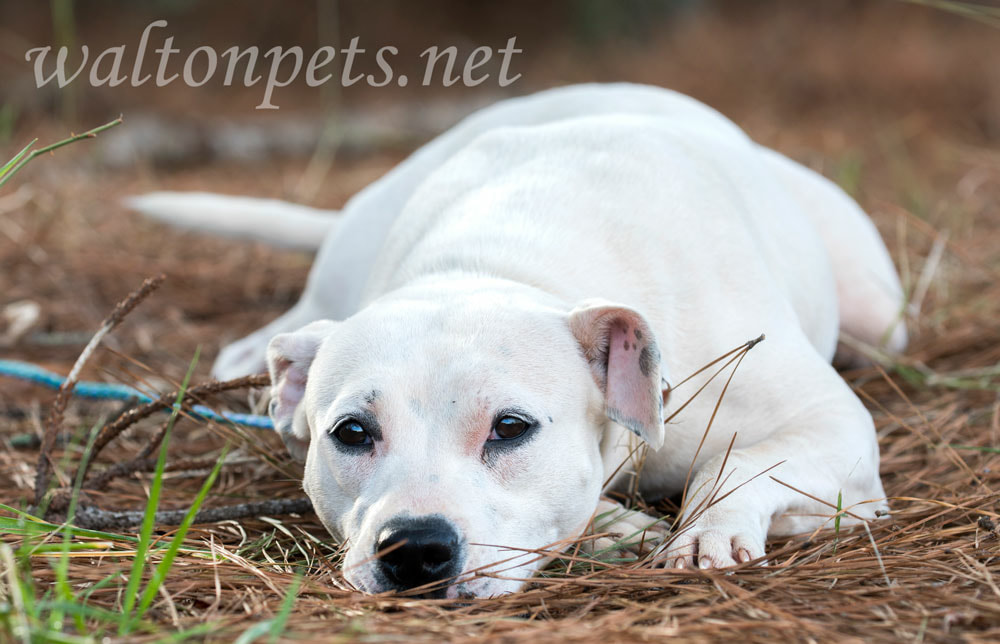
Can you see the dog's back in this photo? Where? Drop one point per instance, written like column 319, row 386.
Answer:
column 869, row 292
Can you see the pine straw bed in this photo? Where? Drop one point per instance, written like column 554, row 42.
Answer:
column 926, row 573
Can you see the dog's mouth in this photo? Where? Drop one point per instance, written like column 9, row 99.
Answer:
column 370, row 578
column 371, row 581
column 435, row 593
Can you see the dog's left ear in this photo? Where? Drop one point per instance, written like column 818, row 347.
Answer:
column 620, row 347
column 289, row 356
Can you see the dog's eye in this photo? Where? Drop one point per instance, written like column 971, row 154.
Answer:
column 508, row 427
column 350, row 432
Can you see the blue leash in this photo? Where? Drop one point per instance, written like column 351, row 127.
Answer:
column 111, row 391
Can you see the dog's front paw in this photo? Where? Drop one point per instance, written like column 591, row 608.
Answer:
column 714, row 542
column 624, row 534
column 241, row 358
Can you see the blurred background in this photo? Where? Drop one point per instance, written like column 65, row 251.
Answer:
column 899, row 102
column 932, row 59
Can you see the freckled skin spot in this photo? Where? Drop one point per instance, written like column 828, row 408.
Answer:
column 638, row 334
column 627, row 422
column 626, row 345
column 647, row 358
column 550, row 419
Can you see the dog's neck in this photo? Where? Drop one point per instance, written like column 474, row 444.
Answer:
column 452, row 284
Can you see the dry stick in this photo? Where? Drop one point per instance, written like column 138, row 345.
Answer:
column 226, row 430
column 143, row 460
column 59, row 500
column 97, row 519
column 118, row 470
column 246, row 437
column 126, row 420
column 55, row 419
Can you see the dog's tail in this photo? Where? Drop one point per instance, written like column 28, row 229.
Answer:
column 274, row 222
column 871, row 300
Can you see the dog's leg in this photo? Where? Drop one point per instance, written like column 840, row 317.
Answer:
column 869, row 295
column 625, row 533
column 248, row 355
column 823, row 445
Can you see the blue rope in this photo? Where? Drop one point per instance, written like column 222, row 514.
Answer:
column 112, row 391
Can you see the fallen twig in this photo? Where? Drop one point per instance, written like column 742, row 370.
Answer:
column 54, row 423
column 94, row 518
column 130, row 417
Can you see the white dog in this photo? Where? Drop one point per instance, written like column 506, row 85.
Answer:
column 486, row 328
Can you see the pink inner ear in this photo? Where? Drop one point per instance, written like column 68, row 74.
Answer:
column 289, row 389
column 627, row 394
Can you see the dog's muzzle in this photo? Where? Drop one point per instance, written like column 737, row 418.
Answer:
column 415, row 552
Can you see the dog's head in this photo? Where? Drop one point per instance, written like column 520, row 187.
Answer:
column 445, row 439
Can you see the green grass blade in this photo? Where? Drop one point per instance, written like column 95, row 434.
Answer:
column 77, row 546
column 279, row 621
column 104, row 583
column 275, row 626
column 17, row 157
column 20, row 605
column 190, row 633
column 90, row 612
column 15, row 165
column 20, row 527
column 168, row 558
column 146, row 531
column 62, row 564
column 255, row 631
column 836, row 521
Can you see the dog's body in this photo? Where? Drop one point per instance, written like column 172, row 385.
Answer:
column 550, row 260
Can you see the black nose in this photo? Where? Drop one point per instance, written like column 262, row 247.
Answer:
column 420, row 551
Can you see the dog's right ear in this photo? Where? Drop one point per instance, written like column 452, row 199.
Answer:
column 618, row 343
column 289, row 356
